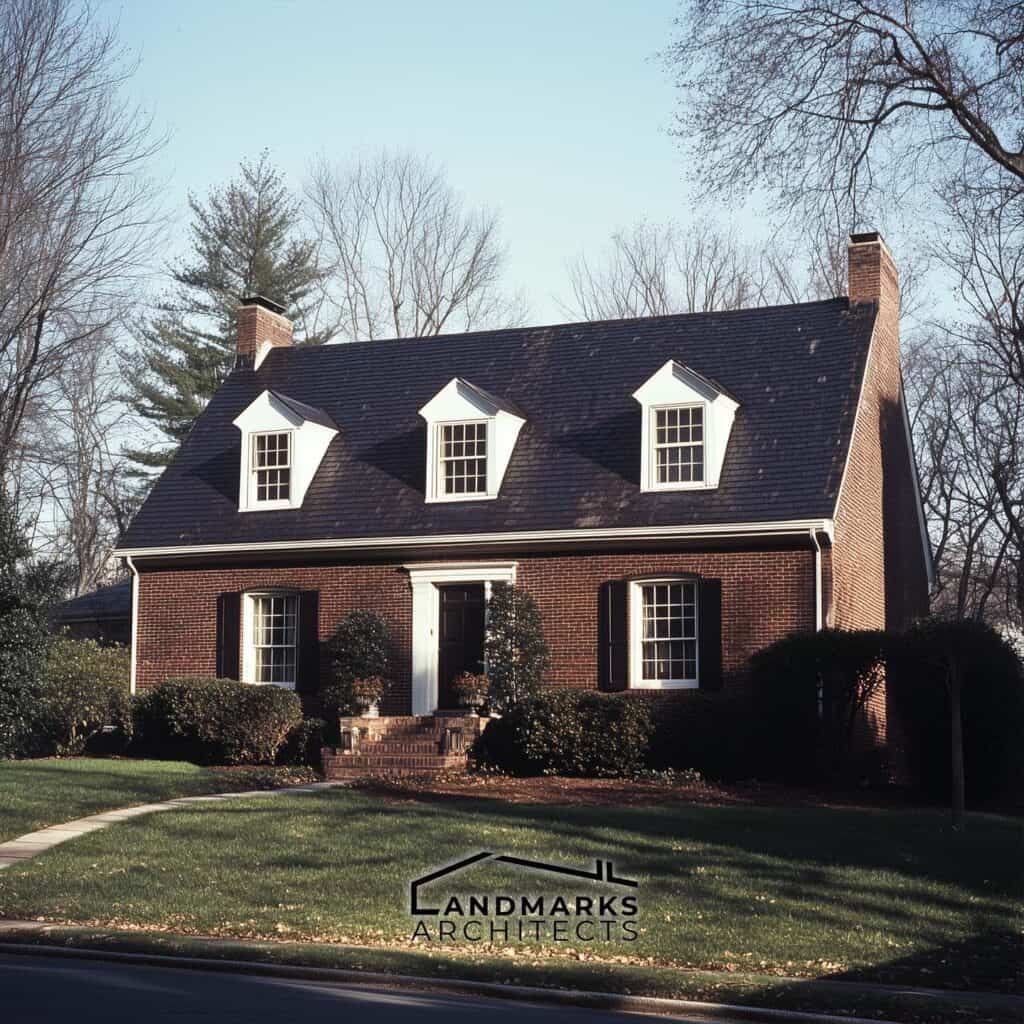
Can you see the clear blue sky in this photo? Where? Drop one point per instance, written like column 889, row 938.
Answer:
column 555, row 113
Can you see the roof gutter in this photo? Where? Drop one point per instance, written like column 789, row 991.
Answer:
column 782, row 528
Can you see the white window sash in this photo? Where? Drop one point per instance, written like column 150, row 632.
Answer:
column 250, row 649
column 636, row 635
column 657, row 447
column 440, row 484
column 255, row 469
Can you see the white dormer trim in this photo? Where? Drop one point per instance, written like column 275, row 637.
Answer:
column 676, row 386
column 459, row 402
column 308, row 442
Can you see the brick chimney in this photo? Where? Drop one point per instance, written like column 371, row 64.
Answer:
column 261, row 320
column 873, row 276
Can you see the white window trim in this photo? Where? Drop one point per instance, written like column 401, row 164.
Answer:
column 651, row 465
column 248, row 635
column 426, row 609
column 435, row 485
column 636, row 666
column 253, row 502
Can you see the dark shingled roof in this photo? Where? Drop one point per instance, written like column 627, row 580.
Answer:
column 113, row 601
column 795, row 370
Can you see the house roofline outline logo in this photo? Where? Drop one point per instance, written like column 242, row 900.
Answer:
column 603, row 872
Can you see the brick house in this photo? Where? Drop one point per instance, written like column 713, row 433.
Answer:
column 675, row 492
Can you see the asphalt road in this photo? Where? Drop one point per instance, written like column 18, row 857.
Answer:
column 34, row 990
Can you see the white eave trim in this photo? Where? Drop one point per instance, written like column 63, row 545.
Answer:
column 781, row 528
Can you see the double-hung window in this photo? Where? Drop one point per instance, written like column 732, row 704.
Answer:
column 664, row 633
column 679, row 445
column 462, row 458
column 272, row 467
column 274, row 638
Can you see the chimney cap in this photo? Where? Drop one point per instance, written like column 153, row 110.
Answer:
column 262, row 300
column 866, row 236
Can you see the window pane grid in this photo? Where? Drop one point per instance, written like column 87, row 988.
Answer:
column 679, row 445
column 669, row 638
column 271, row 462
column 274, row 638
column 464, row 458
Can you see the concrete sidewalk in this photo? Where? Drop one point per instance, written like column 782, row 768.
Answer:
column 17, row 851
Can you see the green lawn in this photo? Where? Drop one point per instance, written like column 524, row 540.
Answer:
column 890, row 896
column 34, row 794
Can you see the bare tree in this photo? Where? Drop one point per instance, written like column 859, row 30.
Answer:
column 657, row 269
column 838, row 103
column 75, row 212
column 405, row 258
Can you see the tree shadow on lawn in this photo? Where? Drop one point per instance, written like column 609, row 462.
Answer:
column 799, row 859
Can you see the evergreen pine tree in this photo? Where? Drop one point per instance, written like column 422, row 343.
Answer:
column 245, row 241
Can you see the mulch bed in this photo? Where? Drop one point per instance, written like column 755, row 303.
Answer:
column 619, row 792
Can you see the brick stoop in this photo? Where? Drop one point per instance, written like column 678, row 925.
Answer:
column 401, row 745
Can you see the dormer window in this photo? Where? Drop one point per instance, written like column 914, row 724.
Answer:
column 687, row 420
column 272, row 466
column 463, row 451
column 679, row 445
column 283, row 443
column 470, row 437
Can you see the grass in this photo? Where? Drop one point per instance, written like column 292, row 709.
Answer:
column 34, row 794
column 809, row 996
column 873, row 895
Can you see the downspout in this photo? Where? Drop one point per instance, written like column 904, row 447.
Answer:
column 135, row 617
column 819, row 614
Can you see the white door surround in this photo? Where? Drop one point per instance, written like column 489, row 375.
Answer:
column 425, row 579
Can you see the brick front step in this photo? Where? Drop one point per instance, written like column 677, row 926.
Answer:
column 339, row 765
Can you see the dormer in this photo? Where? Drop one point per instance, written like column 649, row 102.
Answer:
column 470, row 438
column 283, row 444
column 687, row 419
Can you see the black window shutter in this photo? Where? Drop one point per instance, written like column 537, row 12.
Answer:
column 709, row 610
column 229, row 627
column 613, row 637
column 308, row 665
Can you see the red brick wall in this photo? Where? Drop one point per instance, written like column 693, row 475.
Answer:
column 765, row 594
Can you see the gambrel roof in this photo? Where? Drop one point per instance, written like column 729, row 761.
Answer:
column 795, row 371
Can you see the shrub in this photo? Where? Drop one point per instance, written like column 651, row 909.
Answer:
column 83, row 687
column 514, row 648
column 303, row 743
column 359, row 651
column 711, row 734
column 811, row 696
column 215, row 721
column 992, row 707
column 570, row 733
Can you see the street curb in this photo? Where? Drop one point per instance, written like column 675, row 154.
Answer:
column 719, row 1013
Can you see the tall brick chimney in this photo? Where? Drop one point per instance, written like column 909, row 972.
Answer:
column 261, row 320
column 873, row 276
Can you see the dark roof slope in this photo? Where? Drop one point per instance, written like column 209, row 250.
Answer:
column 796, row 371
column 110, row 602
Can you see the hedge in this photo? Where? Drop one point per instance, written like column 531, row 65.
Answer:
column 992, row 707
column 214, row 721
column 811, row 693
column 83, row 689
column 570, row 733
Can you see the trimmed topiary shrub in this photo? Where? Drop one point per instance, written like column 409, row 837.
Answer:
column 359, row 650
column 811, row 697
column 992, row 707
column 83, row 688
column 214, row 721
column 515, row 651
column 570, row 733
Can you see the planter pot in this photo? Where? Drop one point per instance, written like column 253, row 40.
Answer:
column 373, row 711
